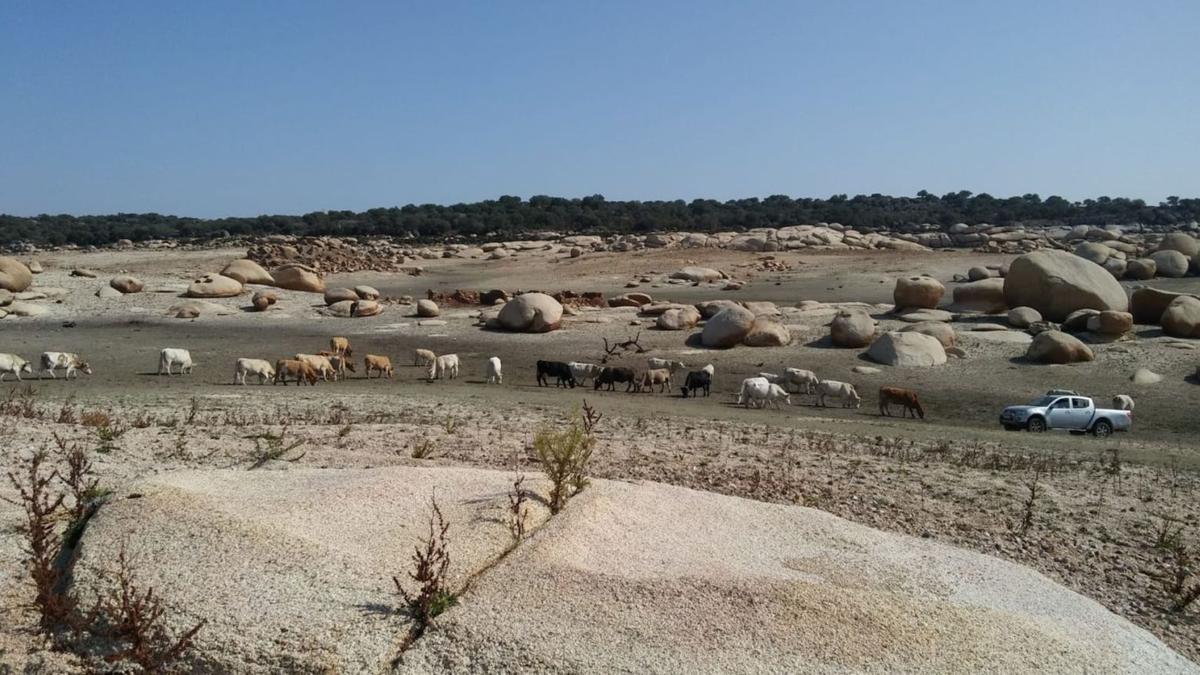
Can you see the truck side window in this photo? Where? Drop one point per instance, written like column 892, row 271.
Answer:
column 1079, row 403
column 1059, row 404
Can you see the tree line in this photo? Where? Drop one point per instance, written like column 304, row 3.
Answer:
column 513, row 217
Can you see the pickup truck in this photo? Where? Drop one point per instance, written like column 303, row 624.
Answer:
column 1066, row 410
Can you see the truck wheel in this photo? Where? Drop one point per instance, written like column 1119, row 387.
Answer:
column 1037, row 425
column 1102, row 429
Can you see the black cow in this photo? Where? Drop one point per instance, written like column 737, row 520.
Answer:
column 555, row 369
column 609, row 375
column 697, row 379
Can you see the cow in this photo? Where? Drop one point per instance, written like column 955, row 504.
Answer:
column 172, row 357
column 804, row 381
column 321, row 364
column 341, row 364
column 697, row 379
column 423, row 357
column 70, row 362
column 757, row 392
column 444, row 367
column 258, row 367
column 341, row 346
column 761, row 384
column 304, row 372
column 556, row 369
column 1123, row 402
column 11, row 363
column 905, row 397
column 494, row 374
column 842, row 390
column 582, row 372
column 610, row 375
column 672, row 366
column 379, row 364
column 649, row 378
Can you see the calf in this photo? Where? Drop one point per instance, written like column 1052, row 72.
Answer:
column 303, row 372
column 423, row 357
column 697, row 379
column 258, row 367
column 11, row 363
column 555, row 369
column 842, row 390
column 905, row 397
column 494, row 374
column 649, row 378
column 444, row 367
column 340, row 346
column 71, row 362
column 174, row 357
column 610, row 376
column 379, row 364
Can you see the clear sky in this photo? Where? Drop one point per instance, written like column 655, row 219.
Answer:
column 246, row 107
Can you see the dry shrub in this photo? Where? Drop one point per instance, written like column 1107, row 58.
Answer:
column 564, row 456
column 95, row 418
column 431, row 562
column 41, row 503
column 518, row 512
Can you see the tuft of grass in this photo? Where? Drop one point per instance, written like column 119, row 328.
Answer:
column 192, row 412
column 430, row 564
column 1030, row 502
column 95, row 418
column 269, row 447
column 518, row 512
column 425, row 448
column 564, row 456
column 1168, row 533
column 1183, row 590
column 66, row 413
column 450, row 425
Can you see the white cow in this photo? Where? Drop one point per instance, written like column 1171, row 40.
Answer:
column 11, row 363
column 174, row 357
column 710, row 370
column 321, row 364
column 1123, row 402
column 657, row 364
column 494, row 375
column 758, row 393
column 423, row 357
column 759, row 383
column 843, row 390
column 804, row 381
column 263, row 369
column 773, row 378
column 583, row 371
column 444, row 367
column 70, row 362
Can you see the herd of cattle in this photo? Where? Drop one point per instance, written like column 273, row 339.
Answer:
column 333, row 364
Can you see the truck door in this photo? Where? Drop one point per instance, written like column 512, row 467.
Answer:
column 1081, row 413
column 1059, row 415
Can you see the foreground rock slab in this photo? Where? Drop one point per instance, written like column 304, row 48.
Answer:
column 624, row 581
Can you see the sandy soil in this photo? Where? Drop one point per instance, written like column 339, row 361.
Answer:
column 955, row 477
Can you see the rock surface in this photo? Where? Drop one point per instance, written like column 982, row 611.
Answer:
column 531, row 313
column 680, row 318
column 942, row 332
column 727, row 328
column 248, row 272
column 1148, row 304
column 428, row 309
column 295, row 277
column 852, row 328
column 907, row 350
column 918, row 292
column 767, row 332
column 1182, row 318
column 985, row 296
column 214, row 286
column 1057, row 283
column 14, row 275
column 1170, row 263
column 1023, row 317
column 127, row 284
column 1054, row 346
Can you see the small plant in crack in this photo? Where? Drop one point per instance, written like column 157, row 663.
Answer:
column 41, row 503
column 564, row 456
column 269, row 447
column 430, row 564
column 518, row 512
column 425, row 448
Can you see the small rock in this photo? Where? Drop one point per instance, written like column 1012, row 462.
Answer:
column 1145, row 376
column 427, row 308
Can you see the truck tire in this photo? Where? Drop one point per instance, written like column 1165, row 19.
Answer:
column 1102, row 429
column 1036, row 424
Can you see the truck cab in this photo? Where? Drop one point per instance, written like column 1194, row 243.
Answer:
column 1065, row 410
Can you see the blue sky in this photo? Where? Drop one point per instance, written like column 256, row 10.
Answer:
column 241, row 108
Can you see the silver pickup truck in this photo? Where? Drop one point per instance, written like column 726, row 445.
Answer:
column 1066, row 410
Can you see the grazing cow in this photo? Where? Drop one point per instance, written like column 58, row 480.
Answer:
column 321, row 364
column 1123, row 402
column 842, row 390
column 697, row 379
column 423, row 357
column 804, row 381
column 444, row 367
column 756, row 383
column 11, row 363
column 672, row 366
column 259, row 367
column 710, row 370
column 649, row 378
column 71, row 362
column 303, row 372
column 905, row 397
column 379, row 364
column 610, row 375
column 556, row 369
column 494, row 374
column 771, row 377
column 758, row 393
column 341, row 364
column 583, row 371
column 340, row 346
column 175, row 357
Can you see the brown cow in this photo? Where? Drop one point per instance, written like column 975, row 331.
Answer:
column 380, row 364
column 340, row 346
column 649, row 378
column 905, row 397
column 301, row 370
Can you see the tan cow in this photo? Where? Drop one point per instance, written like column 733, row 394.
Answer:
column 341, row 346
column 299, row 369
column 659, row 376
column 379, row 364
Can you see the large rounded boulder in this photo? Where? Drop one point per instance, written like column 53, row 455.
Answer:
column 1055, row 346
column 248, row 272
column 1110, row 323
column 1170, row 263
column 1093, row 251
column 1057, row 283
column 127, row 284
column 1141, row 269
column 680, row 318
column 334, row 295
column 214, row 286
column 531, row 313
column 297, row 277
column 942, row 332
column 920, row 292
column 14, row 275
column 1023, row 317
column 727, row 328
column 907, row 350
column 1182, row 242
column 767, row 333
column 852, row 328
column 1148, row 304
column 985, row 295
column 428, row 308
column 1182, row 317
column 697, row 274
